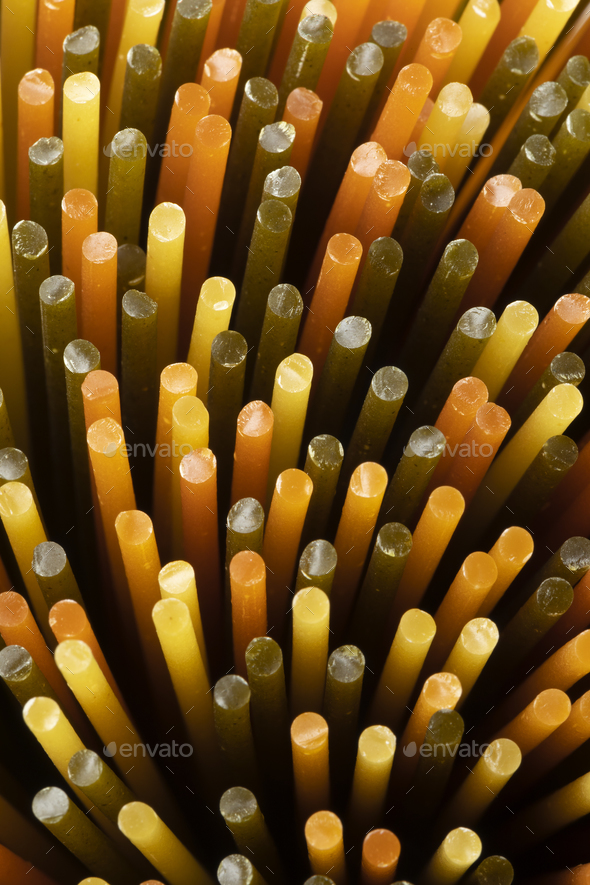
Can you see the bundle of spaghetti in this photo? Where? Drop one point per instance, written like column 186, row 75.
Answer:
column 294, row 460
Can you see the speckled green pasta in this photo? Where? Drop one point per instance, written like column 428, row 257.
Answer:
column 245, row 527
column 344, row 682
column 344, row 121
column 183, row 54
column 441, row 743
column 429, row 213
column 283, row 184
column 424, row 227
column 273, row 151
column 383, row 401
column 377, row 285
column 235, row 869
column 570, row 562
column 535, row 618
column 268, row 704
column 231, row 712
column 139, row 367
column 508, row 79
column 81, row 52
column 30, row 251
column 322, row 464
column 574, row 78
column 31, row 267
column 244, row 531
column 131, row 262
column 64, row 820
column 256, row 37
column 46, row 178
column 97, row 13
column 125, row 190
column 225, row 396
column 99, row 783
column 534, row 161
column 57, row 300
column 307, row 56
column 22, row 675
column 388, row 560
column 572, row 144
column 6, row 434
column 412, row 475
column 463, row 349
column 561, row 259
column 421, row 164
column 556, row 458
column 540, row 116
column 493, row 870
column 390, row 37
column 565, row 368
column 257, row 109
column 243, row 817
column 54, row 574
column 80, row 357
column 317, row 565
column 140, row 91
column 532, row 621
column 264, row 267
column 14, row 467
column 442, row 738
column 431, row 325
column 278, row 337
column 341, row 369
